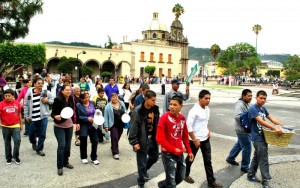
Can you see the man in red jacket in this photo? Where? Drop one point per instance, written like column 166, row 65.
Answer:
column 171, row 133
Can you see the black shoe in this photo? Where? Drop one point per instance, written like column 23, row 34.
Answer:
column 60, row 172
column 146, row 177
column 34, row 146
column 140, row 186
column 26, row 134
column 8, row 161
column 69, row 166
column 253, row 179
column 17, row 161
column 215, row 185
column 162, row 184
column 41, row 153
column 244, row 170
column 232, row 162
column 267, row 184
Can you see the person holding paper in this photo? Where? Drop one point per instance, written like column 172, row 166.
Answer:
column 63, row 127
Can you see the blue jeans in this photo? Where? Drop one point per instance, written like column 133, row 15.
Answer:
column 260, row 159
column 243, row 144
column 9, row 133
column 38, row 129
column 206, row 155
column 174, row 170
column 63, row 137
column 145, row 159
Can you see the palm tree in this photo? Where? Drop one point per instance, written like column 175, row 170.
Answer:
column 215, row 50
column 178, row 10
column 256, row 28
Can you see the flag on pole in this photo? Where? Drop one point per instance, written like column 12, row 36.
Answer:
column 192, row 74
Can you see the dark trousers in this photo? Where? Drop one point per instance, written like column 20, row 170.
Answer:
column 92, row 133
column 145, row 159
column 174, row 170
column 116, row 132
column 260, row 158
column 163, row 89
column 38, row 129
column 13, row 133
column 63, row 137
column 206, row 154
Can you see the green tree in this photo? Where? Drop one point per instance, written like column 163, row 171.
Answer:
column 86, row 70
column 292, row 68
column 239, row 58
column 178, row 10
column 66, row 65
column 256, row 29
column 110, row 43
column 15, row 16
column 215, row 50
column 12, row 56
column 150, row 70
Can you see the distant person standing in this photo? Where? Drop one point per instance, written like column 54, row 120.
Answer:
column 174, row 91
column 111, row 88
column 163, row 84
column 11, row 122
column 139, row 99
column 244, row 141
column 43, row 73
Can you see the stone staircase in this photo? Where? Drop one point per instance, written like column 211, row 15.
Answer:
column 294, row 93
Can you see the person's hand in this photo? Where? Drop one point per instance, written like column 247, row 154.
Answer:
column 177, row 150
column 197, row 143
column 191, row 157
column 21, row 127
column 28, row 120
column 90, row 119
column 106, row 129
column 208, row 135
column 57, row 117
column 136, row 147
column 77, row 127
column 45, row 100
column 278, row 130
column 187, row 87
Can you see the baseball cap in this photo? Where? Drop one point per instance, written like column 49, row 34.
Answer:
column 175, row 81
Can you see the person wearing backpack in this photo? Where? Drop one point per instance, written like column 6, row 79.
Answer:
column 244, row 141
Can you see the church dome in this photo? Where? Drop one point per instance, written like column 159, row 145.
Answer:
column 177, row 24
column 155, row 24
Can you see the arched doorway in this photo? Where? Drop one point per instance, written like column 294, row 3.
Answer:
column 108, row 66
column 94, row 65
column 52, row 64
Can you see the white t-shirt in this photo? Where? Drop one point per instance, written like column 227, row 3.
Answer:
column 197, row 121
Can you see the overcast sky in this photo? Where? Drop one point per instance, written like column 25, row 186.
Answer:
column 205, row 22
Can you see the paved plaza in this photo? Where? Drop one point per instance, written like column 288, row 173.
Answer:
column 37, row 171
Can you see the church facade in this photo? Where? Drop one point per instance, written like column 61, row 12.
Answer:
column 166, row 50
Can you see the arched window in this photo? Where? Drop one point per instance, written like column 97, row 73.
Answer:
column 163, row 36
column 154, row 35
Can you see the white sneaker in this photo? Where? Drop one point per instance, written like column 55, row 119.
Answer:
column 84, row 161
column 116, row 157
column 96, row 162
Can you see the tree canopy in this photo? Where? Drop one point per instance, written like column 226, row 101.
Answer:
column 215, row 50
column 66, row 65
column 15, row 16
column 292, row 68
column 238, row 59
column 150, row 70
column 12, row 56
column 178, row 10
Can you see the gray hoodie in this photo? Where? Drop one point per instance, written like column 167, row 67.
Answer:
column 44, row 108
column 240, row 107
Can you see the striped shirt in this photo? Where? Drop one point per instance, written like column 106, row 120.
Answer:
column 36, row 109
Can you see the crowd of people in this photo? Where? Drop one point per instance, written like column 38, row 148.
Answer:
column 149, row 130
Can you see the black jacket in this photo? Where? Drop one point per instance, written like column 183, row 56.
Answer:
column 138, row 132
column 58, row 104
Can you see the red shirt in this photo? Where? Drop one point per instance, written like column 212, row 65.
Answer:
column 9, row 112
column 171, row 132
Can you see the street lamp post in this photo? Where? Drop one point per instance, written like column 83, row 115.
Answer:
column 77, row 67
column 203, row 72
